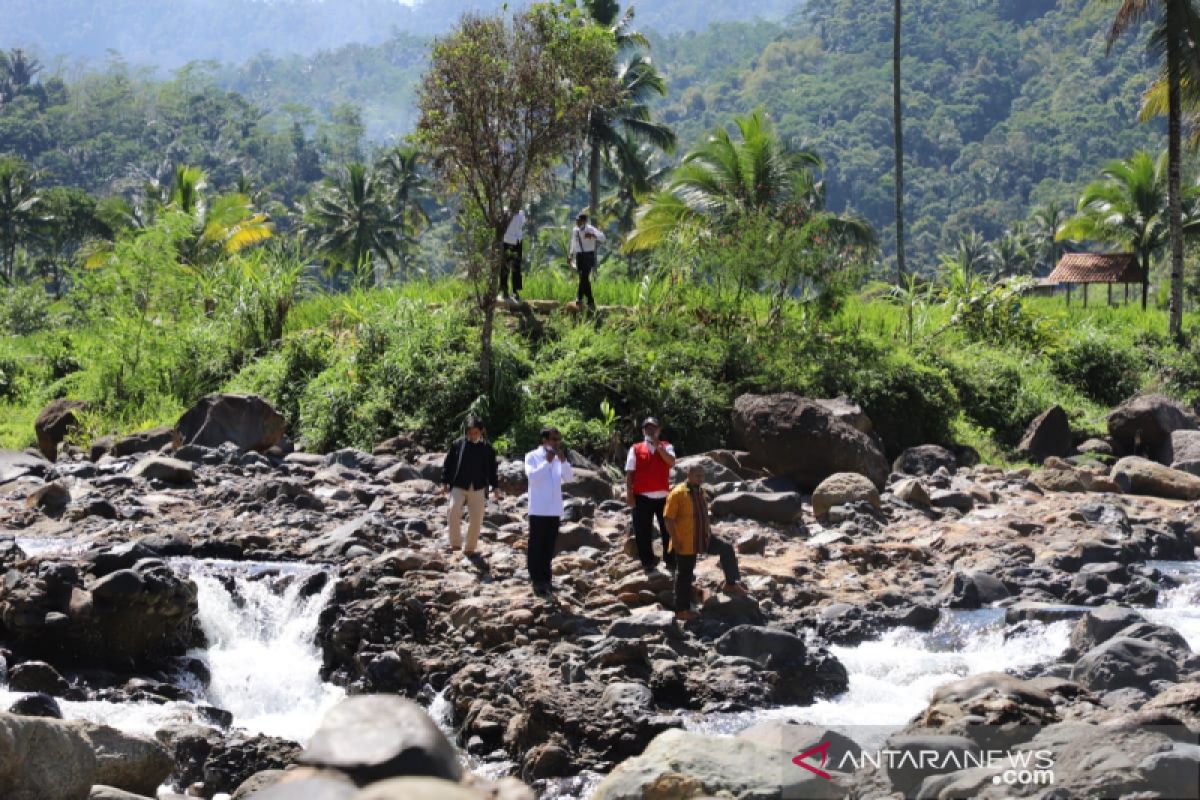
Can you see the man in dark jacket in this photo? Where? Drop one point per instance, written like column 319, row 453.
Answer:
column 468, row 472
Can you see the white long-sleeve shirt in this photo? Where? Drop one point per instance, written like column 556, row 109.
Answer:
column 516, row 229
column 545, row 483
column 579, row 241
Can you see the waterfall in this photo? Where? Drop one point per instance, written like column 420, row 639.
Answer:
column 261, row 650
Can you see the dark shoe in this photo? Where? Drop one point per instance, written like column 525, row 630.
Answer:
column 735, row 589
column 686, row 616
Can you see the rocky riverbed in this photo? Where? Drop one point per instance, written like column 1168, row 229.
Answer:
column 213, row 605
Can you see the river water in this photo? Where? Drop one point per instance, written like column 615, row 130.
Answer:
column 265, row 664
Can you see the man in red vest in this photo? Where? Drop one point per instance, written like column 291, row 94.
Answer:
column 647, row 484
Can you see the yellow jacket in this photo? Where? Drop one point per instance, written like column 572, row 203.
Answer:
column 679, row 511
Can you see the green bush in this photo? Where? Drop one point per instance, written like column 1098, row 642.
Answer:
column 25, row 310
column 1000, row 391
column 283, row 376
column 1098, row 366
column 909, row 402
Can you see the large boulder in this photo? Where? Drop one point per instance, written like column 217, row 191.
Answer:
column 1183, row 452
column 802, row 440
column 680, row 764
column 841, row 489
column 589, row 485
column 1123, row 662
column 1048, row 435
column 147, row 441
column 512, row 477
column 376, row 737
column 126, row 761
column 249, row 421
column 925, row 459
column 1143, row 425
column 1143, row 476
column 44, row 759
column 778, row 507
column 54, row 422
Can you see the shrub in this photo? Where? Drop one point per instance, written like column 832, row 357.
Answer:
column 1097, row 366
column 909, row 402
column 1000, row 391
column 25, row 310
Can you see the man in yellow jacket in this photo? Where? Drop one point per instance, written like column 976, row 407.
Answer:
column 686, row 515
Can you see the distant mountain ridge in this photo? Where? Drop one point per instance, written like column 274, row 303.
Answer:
column 168, row 35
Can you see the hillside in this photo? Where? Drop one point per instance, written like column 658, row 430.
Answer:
column 168, row 35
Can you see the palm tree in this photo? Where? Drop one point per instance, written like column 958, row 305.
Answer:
column 350, row 223
column 1043, row 228
column 898, row 130
column 724, row 178
column 1177, row 32
column 405, row 185
column 965, row 262
column 17, row 71
column 1130, row 206
column 628, row 119
column 222, row 227
column 1010, row 253
column 20, row 211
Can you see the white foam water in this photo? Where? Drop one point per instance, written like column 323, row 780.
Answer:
column 893, row 677
column 261, row 653
column 1179, row 608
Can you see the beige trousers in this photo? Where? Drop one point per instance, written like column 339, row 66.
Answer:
column 475, row 500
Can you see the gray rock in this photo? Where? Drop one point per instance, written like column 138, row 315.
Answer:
column 1048, row 435
column 44, row 759
column 645, row 624
column 679, row 764
column 248, row 421
column 588, row 484
column 327, row 786
column 1183, row 451
column 972, row 589
column 796, row 737
column 36, row 705
column 774, row 648
column 843, row 488
column 628, row 697
column 37, row 676
column 1142, row 425
column 714, row 471
column 925, row 460
column 112, row 793
column 136, row 764
column 1143, row 476
column 52, row 497
column 798, row 438
column 1101, row 624
column 849, row 412
column 375, row 737
column 1121, row 663
column 513, row 480
column 418, row 789
column 913, row 492
column 169, row 470
column 907, row 774
column 779, row 507
column 14, row 464
column 952, row 498
column 1097, row 447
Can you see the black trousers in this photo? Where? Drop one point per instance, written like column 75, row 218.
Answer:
column 685, row 571
column 543, row 536
column 511, row 264
column 584, row 264
column 645, row 511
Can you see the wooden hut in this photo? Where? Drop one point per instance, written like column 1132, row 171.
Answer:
column 1106, row 268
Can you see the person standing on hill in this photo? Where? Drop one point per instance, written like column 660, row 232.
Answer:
column 691, row 536
column 468, row 472
column 546, row 467
column 513, row 245
column 584, row 238
column 647, row 483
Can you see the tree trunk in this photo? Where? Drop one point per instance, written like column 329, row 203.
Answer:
column 492, row 284
column 1145, row 278
column 897, row 124
column 1174, row 145
column 594, row 182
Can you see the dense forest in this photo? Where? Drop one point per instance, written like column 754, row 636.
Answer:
column 1007, row 106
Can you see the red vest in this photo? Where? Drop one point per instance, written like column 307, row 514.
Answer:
column 650, row 472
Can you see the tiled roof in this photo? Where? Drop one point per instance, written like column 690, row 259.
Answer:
column 1097, row 268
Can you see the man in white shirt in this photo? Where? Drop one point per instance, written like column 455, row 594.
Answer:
column 584, row 238
column 546, row 467
column 647, row 484
column 513, row 238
